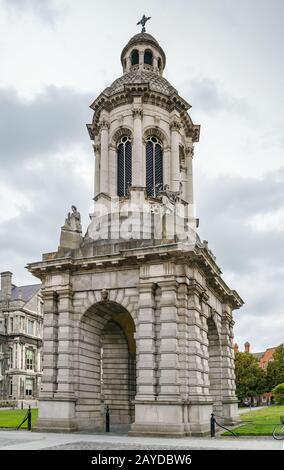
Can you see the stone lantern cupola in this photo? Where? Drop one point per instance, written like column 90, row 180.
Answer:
column 143, row 52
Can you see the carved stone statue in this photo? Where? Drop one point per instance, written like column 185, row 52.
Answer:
column 73, row 221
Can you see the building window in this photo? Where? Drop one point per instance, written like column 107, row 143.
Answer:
column 11, row 324
column 159, row 64
column 11, row 387
column 30, row 359
column 29, row 387
column 30, row 327
column 148, row 57
column 154, row 166
column 124, row 164
column 135, row 57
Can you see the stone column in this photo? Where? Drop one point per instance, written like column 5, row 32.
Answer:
column 229, row 399
column 112, row 171
column 167, row 165
column 169, row 386
column 189, row 176
column 65, row 345
column 97, row 149
column 141, row 59
column 146, row 343
column 50, row 325
column 104, row 129
column 200, row 402
column 175, row 166
column 137, row 158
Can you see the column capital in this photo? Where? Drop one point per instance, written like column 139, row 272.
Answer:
column 104, row 125
column 137, row 113
column 189, row 151
column 97, row 148
column 147, row 286
column 168, row 283
column 175, row 125
column 49, row 295
column 65, row 293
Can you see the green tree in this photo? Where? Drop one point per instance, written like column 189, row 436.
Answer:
column 275, row 368
column 278, row 393
column 250, row 378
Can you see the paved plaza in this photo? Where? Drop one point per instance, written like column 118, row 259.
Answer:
column 24, row 440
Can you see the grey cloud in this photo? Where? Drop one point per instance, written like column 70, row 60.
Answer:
column 226, row 206
column 45, row 9
column 253, row 258
column 54, row 119
column 207, row 96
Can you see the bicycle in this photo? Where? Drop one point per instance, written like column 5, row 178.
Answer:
column 278, row 432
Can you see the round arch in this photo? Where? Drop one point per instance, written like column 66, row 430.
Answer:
column 156, row 132
column 118, row 133
column 106, row 365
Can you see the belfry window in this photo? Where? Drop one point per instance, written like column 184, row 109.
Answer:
column 148, row 57
column 134, row 57
column 124, row 166
column 154, row 166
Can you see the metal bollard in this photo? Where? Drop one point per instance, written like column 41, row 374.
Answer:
column 29, row 419
column 107, row 418
column 212, row 425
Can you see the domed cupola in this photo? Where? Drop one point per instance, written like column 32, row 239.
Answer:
column 143, row 52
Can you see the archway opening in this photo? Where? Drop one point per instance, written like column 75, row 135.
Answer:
column 215, row 366
column 106, row 366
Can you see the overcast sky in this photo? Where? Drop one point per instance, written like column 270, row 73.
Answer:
column 224, row 57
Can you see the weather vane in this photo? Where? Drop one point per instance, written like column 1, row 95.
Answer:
column 143, row 21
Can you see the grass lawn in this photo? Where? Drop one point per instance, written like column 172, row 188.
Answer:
column 262, row 422
column 12, row 418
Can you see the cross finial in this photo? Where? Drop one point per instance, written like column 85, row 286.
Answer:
column 143, row 21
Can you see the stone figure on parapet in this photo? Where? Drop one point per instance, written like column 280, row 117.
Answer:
column 169, row 198
column 73, row 221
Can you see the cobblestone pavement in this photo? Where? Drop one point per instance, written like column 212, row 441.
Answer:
column 24, row 440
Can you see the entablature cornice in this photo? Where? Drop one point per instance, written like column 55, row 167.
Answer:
column 156, row 98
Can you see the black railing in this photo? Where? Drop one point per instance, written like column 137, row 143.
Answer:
column 107, row 419
column 213, row 424
column 28, row 418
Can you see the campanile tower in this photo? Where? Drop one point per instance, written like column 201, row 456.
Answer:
column 136, row 314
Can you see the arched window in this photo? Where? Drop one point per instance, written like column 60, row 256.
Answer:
column 134, row 57
column 154, row 166
column 159, row 64
column 124, row 155
column 148, row 57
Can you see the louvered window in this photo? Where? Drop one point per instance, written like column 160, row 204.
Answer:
column 148, row 57
column 124, row 154
column 134, row 57
column 154, row 167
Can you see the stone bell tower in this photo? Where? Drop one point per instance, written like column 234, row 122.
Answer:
column 136, row 314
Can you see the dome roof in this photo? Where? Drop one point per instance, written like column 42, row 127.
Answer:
column 146, row 39
column 156, row 82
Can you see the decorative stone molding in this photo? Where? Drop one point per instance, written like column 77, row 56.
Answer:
column 156, row 132
column 104, row 295
column 118, row 133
